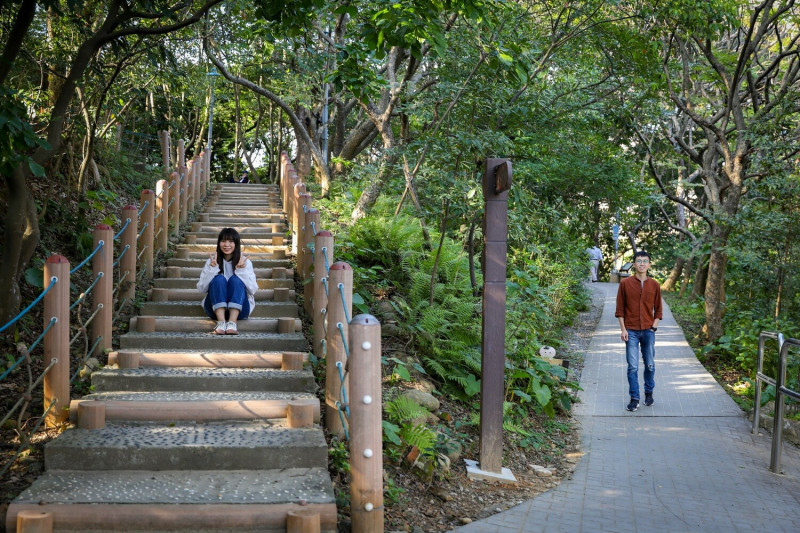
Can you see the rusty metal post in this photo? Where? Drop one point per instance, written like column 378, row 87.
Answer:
column 366, row 431
column 127, row 246
column 103, row 292
column 323, row 258
column 147, row 198
column 340, row 304
column 56, row 340
column 496, row 182
column 162, row 214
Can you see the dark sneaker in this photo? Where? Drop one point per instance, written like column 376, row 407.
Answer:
column 634, row 405
column 648, row 399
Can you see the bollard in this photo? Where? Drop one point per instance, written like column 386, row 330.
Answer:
column 366, row 450
column 340, row 273
column 147, row 198
column 173, row 272
column 127, row 359
column 146, row 324
column 302, row 521
column 35, row 522
column 56, row 341
column 127, row 243
column 91, row 415
column 280, row 294
column 323, row 247
column 299, row 414
column 103, row 292
column 286, row 325
column 162, row 214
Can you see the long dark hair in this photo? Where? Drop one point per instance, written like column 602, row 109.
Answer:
column 229, row 234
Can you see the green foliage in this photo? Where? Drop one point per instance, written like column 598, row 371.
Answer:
column 17, row 138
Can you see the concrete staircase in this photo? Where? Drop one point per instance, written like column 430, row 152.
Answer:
column 196, row 436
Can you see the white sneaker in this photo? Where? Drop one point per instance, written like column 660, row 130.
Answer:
column 231, row 329
column 221, row 327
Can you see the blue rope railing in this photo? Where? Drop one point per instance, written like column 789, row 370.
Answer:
column 146, row 203
column 22, row 313
column 119, row 234
column 97, row 249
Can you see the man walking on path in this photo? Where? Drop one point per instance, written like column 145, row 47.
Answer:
column 595, row 258
column 639, row 311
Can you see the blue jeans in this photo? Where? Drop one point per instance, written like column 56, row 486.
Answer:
column 229, row 294
column 646, row 338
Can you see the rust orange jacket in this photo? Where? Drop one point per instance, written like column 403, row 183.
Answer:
column 639, row 306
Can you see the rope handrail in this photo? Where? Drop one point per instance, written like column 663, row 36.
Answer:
column 144, row 227
column 97, row 249
column 325, row 256
column 88, row 291
column 146, row 203
column 85, row 359
column 340, row 286
column 82, row 329
column 28, row 350
column 22, row 313
column 27, row 392
column 324, row 282
column 340, row 326
column 121, row 254
column 119, row 234
column 314, row 228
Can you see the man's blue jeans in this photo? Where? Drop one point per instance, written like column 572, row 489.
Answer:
column 646, row 338
column 230, row 294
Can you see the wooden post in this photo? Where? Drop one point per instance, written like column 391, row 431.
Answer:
column 181, row 154
column 366, row 433
column 303, row 203
column 148, row 200
column 162, row 211
column 302, row 521
column 103, row 292
column 56, row 341
column 299, row 189
column 174, row 203
column 495, row 231
column 323, row 248
column 127, row 264
column 35, row 522
column 191, row 172
column 340, row 273
column 92, row 415
column 184, row 191
column 304, row 270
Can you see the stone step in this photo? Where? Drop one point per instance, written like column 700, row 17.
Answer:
column 264, row 244
column 248, row 249
column 265, row 309
column 189, row 501
column 193, row 272
column 191, row 283
column 277, row 342
column 202, row 379
column 256, row 445
column 193, row 295
column 206, row 229
column 168, row 406
column 208, row 359
column 198, row 260
column 205, row 325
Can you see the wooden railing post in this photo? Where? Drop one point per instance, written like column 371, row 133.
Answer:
column 304, row 268
column 303, row 203
column 191, row 176
column 340, row 274
column 102, row 294
column 147, row 199
column 162, row 214
column 56, row 341
column 127, row 264
column 323, row 247
column 174, row 203
column 183, row 174
column 366, row 450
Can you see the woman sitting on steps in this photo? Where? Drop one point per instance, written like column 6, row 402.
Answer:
column 229, row 282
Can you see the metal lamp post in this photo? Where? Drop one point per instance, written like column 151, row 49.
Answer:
column 212, row 76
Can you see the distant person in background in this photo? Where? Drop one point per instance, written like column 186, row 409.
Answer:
column 244, row 178
column 639, row 310
column 595, row 259
column 230, row 179
column 229, row 283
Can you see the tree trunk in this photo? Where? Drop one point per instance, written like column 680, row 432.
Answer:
column 20, row 240
column 715, row 284
column 674, row 275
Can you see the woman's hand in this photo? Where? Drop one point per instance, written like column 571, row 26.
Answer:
column 242, row 261
column 213, row 259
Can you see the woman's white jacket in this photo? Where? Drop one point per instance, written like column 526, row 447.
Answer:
column 246, row 274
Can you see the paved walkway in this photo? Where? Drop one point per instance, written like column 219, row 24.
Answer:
column 687, row 464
